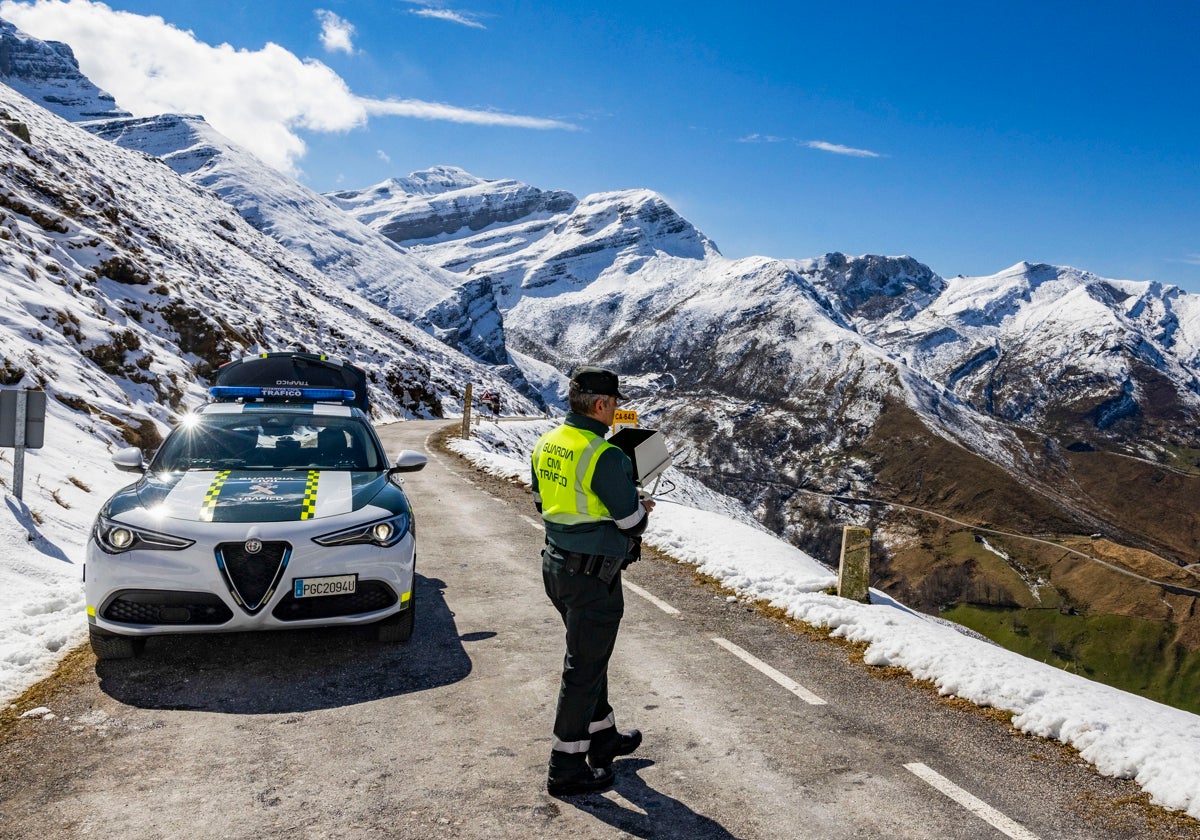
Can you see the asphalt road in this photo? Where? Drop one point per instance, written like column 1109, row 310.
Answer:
column 328, row 734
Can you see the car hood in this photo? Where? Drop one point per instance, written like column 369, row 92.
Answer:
column 250, row 495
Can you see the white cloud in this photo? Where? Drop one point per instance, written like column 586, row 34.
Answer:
column 820, row 145
column 1191, row 259
column 337, row 34
column 761, row 138
column 257, row 98
column 422, row 110
column 837, row 149
column 382, row 155
column 440, row 13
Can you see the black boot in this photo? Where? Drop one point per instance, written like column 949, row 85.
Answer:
column 605, row 748
column 576, row 780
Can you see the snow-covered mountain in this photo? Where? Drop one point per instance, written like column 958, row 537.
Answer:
column 458, row 200
column 309, row 225
column 1034, row 345
column 301, row 220
column 315, row 230
column 110, row 258
column 47, row 73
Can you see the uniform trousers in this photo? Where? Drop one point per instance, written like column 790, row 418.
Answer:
column 591, row 611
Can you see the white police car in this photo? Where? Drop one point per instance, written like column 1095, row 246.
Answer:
column 273, row 506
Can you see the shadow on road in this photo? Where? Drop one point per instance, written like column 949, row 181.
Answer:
column 665, row 816
column 292, row 671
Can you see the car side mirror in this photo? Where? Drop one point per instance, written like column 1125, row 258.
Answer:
column 129, row 459
column 409, row 461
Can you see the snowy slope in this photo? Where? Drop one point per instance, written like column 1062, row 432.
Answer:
column 301, row 220
column 304, row 222
column 152, row 277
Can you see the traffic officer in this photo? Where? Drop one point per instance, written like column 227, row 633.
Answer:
column 583, row 486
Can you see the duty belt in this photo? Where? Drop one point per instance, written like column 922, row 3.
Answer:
column 593, row 565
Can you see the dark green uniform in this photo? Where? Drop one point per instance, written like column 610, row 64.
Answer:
column 584, row 489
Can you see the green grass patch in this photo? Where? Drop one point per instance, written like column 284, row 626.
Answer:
column 1184, row 458
column 1132, row 654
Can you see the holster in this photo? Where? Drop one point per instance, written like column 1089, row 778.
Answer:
column 609, row 568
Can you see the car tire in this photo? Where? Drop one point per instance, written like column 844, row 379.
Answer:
column 398, row 627
column 111, row 646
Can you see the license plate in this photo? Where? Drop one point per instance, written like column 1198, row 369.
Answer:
column 319, row 586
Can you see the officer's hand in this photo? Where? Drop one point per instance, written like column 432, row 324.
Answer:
column 648, row 504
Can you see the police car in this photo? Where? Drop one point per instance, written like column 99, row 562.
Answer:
column 273, row 506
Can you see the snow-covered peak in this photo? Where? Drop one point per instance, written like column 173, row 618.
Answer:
column 872, row 288
column 185, row 141
column 47, row 73
column 436, row 180
column 445, row 200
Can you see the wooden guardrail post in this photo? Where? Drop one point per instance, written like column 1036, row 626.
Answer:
column 854, row 568
column 466, row 426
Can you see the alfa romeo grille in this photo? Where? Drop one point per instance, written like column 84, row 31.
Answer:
column 252, row 577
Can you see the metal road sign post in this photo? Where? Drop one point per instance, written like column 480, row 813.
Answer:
column 22, row 426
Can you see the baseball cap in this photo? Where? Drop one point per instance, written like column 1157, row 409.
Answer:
column 597, row 380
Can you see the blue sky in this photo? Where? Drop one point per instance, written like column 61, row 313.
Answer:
column 970, row 136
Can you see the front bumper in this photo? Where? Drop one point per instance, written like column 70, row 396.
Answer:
column 152, row 592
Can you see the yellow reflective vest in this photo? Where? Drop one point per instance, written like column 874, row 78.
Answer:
column 565, row 461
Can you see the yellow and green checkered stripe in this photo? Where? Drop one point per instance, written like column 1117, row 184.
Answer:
column 210, row 498
column 308, row 507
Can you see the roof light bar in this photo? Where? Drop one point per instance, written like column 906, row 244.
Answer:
column 227, row 392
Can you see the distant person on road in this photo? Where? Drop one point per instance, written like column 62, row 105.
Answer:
column 583, row 486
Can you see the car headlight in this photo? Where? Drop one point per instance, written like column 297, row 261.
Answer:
column 382, row 532
column 116, row 537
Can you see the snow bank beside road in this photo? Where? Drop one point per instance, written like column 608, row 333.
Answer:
column 42, row 539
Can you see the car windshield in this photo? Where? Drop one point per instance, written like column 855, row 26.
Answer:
column 269, row 441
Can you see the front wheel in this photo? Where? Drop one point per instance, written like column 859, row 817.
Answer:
column 111, row 646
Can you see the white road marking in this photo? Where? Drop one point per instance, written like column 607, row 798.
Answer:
column 976, row 806
column 662, row 605
column 784, row 680
column 529, row 519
